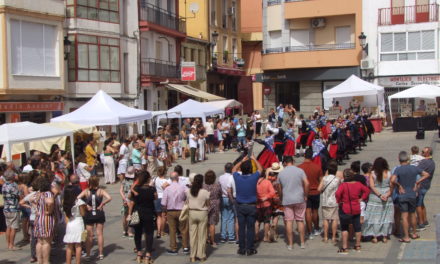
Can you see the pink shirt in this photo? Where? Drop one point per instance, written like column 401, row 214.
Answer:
column 174, row 196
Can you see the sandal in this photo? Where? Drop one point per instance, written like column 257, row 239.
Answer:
column 343, row 251
column 404, row 241
column 374, row 240
column 357, row 248
column 414, row 236
column 101, row 257
column 148, row 260
column 384, row 240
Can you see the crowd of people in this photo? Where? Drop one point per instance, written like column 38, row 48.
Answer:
column 50, row 202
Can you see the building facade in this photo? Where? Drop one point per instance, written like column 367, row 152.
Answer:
column 32, row 60
column 407, row 49
column 308, row 47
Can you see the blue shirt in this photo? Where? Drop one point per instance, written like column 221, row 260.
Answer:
column 136, row 156
column 407, row 177
column 246, row 187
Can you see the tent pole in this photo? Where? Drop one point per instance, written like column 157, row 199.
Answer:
column 72, row 150
column 391, row 111
column 8, row 152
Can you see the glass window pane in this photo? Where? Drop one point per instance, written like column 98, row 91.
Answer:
column 93, row 13
column 83, row 75
column 94, row 76
column 103, row 4
column 388, row 57
column 93, row 3
column 83, row 56
column 105, row 76
column 72, row 75
column 113, row 42
column 93, row 57
column 105, row 57
column 412, row 56
column 71, row 59
column 399, row 41
column 428, row 40
column 81, row 12
column 426, row 55
column 70, row 2
column 82, row 2
column 115, row 76
column 103, row 41
column 70, row 11
column 403, row 56
column 114, row 5
column 114, row 17
column 413, row 40
column 386, row 42
column 104, row 15
column 114, row 58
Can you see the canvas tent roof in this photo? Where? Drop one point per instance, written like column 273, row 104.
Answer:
column 353, row 86
column 191, row 109
column 102, row 110
column 225, row 103
column 420, row 91
column 194, row 92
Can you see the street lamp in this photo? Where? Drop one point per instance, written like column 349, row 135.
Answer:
column 363, row 42
column 214, row 39
column 67, row 46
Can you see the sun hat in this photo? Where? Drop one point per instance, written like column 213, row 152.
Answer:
column 276, row 167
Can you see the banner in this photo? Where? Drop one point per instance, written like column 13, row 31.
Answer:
column 188, row 71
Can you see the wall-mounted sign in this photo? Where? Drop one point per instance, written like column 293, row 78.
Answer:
column 188, row 71
column 409, row 81
column 31, row 106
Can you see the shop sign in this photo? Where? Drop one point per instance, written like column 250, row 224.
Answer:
column 409, row 81
column 188, row 71
column 277, row 77
column 31, row 106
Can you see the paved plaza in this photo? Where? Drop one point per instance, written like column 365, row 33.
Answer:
column 386, row 144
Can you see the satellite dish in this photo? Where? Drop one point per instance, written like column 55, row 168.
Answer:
column 194, row 8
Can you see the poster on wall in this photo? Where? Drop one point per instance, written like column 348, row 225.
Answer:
column 405, row 110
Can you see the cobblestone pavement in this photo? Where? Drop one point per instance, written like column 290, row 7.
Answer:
column 386, row 144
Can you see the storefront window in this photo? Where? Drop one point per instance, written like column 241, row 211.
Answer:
column 97, row 59
column 102, row 10
column 287, row 93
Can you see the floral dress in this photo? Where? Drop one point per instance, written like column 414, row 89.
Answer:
column 215, row 196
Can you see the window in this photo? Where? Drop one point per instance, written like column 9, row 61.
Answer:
column 275, row 39
column 159, row 52
column 418, row 45
column 213, row 13
column 299, row 38
column 224, row 14
column 97, row 59
column 33, row 49
column 225, row 49
column 343, row 35
column 234, row 16
column 101, row 10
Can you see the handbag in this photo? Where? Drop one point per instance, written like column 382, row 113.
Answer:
column 84, row 236
column 184, row 214
column 135, row 220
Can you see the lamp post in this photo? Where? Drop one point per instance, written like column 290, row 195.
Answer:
column 363, row 43
column 67, row 46
column 214, row 39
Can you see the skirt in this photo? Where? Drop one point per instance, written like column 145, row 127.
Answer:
column 74, row 230
column 289, row 148
column 333, row 150
column 267, row 157
column 330, row 213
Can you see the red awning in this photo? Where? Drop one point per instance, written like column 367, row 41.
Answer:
column 230, row 71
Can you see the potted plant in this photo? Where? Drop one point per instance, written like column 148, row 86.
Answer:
column 225, row 56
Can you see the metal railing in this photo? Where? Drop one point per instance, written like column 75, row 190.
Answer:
column 153, row 67
column 321, row 47
column 273, row 2
column 288, row 1
column 162, row 17
column 273, row 50
column 408, row 14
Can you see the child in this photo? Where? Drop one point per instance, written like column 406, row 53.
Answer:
column 415, row 158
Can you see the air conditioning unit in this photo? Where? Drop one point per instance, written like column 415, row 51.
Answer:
column 318, row 22
column 231, row 11
column 367, row 64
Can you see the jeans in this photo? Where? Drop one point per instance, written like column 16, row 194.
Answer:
column 246, row 225
column 242, row 141
column 227, row 224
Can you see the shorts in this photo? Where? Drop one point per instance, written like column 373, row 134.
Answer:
column 421, row 197
column 295, row 212
column 25, row 213
column 330, row 213
column 12, row 220
column 313, row 201
column 407, row 205
column 210, row 139
column 122, row 168
column 363, row 207
column 158, row 205
column 347, row 220
column 264, row 214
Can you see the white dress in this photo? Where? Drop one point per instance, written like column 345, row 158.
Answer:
column 75, row 226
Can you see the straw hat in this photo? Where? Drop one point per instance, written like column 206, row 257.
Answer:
column 276, row 167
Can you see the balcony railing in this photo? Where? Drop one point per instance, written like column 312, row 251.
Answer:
column 321, row 47
column 200, row 73
column 288, row 1
column 162, row 17
column 273, row 50
column 273, row 2
column 160, row 68
column 408, row 14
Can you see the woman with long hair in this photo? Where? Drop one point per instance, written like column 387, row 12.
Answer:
column 74, row 209
column 379, row 214
column 348, row 196
column 96, row 198
column 215, row 191
column 160, row 183
column 142, row 200
column 198, row 203
column 109, row 162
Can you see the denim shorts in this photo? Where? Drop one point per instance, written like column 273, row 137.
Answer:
column 421, row 197
column 158, row 205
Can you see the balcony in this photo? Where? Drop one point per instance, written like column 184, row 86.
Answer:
column 313, row 47
column 159, row 68
column 408, row 14
column 320, row 8
column 159, row 19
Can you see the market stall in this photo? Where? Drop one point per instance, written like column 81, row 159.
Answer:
column 413, row 116
column 227, row 105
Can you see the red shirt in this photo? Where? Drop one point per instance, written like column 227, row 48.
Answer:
column 314, row 174
column 351, row 193
column 266, row 191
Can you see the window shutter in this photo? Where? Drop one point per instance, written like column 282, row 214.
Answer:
column 16, row 50
column 428, row 40
column 386, row 42
column 400, row 41
column 414, row 40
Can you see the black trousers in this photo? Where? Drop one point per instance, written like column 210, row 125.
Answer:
column 146, row 225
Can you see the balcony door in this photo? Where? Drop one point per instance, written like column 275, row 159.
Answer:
column 422, row 11
column 343, row 37
column 397, row 12
column 300, row 39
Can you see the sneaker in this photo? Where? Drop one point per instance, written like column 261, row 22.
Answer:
column 289, row 248
column 421, row 227
column 251, row 252
column 310, row 236
column 426, row 224
column 317, row 232
column 303, row 246
column 186, row 251
column 222, row 241
column 125, row 234
column 171, row 252
column 241, row 252
column 232, row 241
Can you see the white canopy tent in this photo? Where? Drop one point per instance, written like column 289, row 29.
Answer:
column 191, row 109
column 354, row 86
column 423, row 91
column 231, row 103
column 103, row 110
column 25, row 132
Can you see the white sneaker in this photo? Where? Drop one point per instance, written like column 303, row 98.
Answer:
column 317, row 232
column 303, row 246
column 289, row 248
column 310, row 236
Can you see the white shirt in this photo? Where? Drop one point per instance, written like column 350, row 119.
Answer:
column 83, row 174
column 226, row 182
column 226, row 126
column 184, row 181
column 258, row 118
column 209, row 128
column 158, row 183
column 28, row 168
column 192, row 141
column 123, row 151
